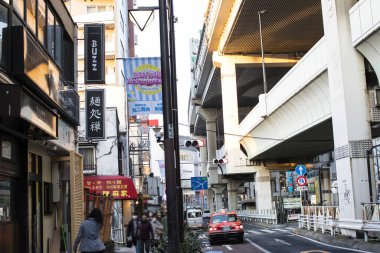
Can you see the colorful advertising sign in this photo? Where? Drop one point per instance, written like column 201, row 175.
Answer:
column 95, row 114
column 94, row 50
column 118, row 186
column 144, row 85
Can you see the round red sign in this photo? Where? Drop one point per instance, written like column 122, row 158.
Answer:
column 301, row 181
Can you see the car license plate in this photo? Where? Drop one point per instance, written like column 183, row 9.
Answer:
column 226, row 229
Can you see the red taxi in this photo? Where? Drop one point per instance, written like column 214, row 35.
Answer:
column 225, row 226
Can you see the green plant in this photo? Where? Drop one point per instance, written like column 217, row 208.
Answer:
column 190, row 244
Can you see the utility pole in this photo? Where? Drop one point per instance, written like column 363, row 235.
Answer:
column 169, row 145
column 175, row 120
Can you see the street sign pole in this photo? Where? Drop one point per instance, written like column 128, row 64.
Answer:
column 169, row 145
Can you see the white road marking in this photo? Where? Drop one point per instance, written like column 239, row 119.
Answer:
column 281, row 241
column 228, row 247
column 289, row 228
column 268, row 231
column 202, row 236
column 254, row 232
column 258, row 247
column 281, row 230
column 331, row 246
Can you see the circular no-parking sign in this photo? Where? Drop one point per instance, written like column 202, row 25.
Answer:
column 301, row 181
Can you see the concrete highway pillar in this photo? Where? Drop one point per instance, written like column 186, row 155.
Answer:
column 232, row 187
column 263, row 189
column 210, row 200
column 349, row 109
column 211, row 169
column 230, row 109
column 204, row 159
column 218, row 195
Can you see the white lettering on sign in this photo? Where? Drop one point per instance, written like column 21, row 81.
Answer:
column 95, row 101
column 94, row 56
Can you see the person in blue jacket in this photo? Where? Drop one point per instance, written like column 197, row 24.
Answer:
column 89, row 234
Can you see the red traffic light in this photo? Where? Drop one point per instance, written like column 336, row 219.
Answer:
column 220, row 161
column 194, row 143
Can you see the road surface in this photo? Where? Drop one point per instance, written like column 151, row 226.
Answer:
column 271, row 240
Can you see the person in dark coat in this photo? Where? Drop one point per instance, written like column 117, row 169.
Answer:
column 132, row 230
column 89, row 234
column 145, row 234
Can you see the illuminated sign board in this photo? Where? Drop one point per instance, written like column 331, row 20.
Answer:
column 119, row 187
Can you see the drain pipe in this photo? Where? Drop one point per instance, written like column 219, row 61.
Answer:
column 369, row 173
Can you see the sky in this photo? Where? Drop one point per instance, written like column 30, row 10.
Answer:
column 190, row 16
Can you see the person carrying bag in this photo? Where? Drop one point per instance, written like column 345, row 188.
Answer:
column 89, row 234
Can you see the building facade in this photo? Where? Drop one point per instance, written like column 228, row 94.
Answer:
column 40, row 171
column 107, row 156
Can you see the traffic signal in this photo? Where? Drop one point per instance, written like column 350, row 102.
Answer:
column 194, row 143
column 220, row 161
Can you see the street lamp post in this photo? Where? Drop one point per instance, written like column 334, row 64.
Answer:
column 262, row 53
column 169, row 130
column 175, row 121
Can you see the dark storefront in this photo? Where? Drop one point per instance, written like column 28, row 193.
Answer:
column 36, row 91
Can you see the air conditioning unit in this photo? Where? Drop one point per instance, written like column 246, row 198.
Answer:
column 374, row 104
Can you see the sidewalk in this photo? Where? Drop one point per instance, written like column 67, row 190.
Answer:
column 125, row 250
column 339, row 240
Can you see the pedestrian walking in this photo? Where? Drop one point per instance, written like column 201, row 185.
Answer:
column 89, row 234
column 132, row 231
column 145, row 234
column 158, row 229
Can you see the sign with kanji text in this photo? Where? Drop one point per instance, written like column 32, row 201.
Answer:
column 119, row 187
column 301, row 181
column 95, row 114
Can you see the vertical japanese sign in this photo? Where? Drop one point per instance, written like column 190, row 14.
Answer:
column 143, row 85
column 94, row 50
column 95, row 114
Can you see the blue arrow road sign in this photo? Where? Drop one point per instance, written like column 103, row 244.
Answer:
column 300, row 169
column 199, row 183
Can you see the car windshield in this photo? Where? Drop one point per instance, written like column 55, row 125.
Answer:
column 223, row 218
column 194, row 214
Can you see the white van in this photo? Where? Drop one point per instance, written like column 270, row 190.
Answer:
column 194, row 217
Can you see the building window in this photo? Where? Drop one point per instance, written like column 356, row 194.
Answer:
column 3, row 39
column 19, row 7
column 89, row 164
column 31, row 14
column 91, row 9
column 58, row 43
column 41, row 22
column 50, row 33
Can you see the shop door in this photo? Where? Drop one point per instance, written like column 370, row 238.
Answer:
column 35, row 203
column 9, row 224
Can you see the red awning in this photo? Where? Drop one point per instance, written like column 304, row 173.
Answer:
column 119, row 187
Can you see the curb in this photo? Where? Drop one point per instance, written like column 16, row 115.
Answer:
column 341, row 241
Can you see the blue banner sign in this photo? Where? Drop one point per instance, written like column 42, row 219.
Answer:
column 199, row 183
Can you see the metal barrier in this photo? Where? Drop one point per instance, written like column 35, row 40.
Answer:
column 323, row 218
column 119, row 236
column 371, row 218
column 264, row 215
